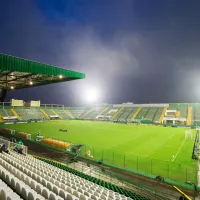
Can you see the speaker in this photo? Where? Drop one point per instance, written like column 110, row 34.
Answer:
column 3, row 93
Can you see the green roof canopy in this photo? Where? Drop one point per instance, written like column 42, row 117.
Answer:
column 18, row 73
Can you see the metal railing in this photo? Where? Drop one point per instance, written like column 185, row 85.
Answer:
column 110, row 177
column 10, row 145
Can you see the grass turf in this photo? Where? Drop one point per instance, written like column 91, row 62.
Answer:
column 150, row 149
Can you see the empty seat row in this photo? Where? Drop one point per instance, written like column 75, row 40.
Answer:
column 16, row 184
column 40, row 185
column 57, row 181
column 78, row 187
column 60, row 177
column 6, row 193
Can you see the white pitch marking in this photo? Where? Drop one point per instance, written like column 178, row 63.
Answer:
column 170, row 137
column 178, row 151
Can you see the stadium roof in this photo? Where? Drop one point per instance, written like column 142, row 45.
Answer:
column 18, row 73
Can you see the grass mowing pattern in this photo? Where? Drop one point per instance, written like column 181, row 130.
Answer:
column 151, row 149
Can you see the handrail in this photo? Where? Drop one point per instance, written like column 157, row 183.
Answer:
column 181, row 192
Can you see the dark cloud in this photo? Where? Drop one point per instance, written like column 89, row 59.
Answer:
column 138, row 51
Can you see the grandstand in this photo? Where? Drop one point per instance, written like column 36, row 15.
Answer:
column 37, row 180
column 77, row 112
column 29, row 114
column 145, row 113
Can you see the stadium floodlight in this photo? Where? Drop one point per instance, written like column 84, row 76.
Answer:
column 92, row 95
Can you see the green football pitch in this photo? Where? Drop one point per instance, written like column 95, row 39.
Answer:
column 153, row 150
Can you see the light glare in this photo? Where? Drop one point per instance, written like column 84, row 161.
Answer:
column 92, row 95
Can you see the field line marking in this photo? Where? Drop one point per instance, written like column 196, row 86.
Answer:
column 178, row 151
column 137, row 137
column 170, row 137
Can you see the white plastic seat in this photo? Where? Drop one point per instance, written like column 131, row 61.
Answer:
column 31, row 196
column 39, row 188
column 18, row 188
column 52, row 196
column 44, row 183
column 93, row 197
column 69, row 190
column 82, row 197
column 33, row 184
column 87, row 194
column 45, row 193
column 55, row 189
column 69, row 197
column 63, row 186
column 3, row 195
column 49, row 186
column 75, row 193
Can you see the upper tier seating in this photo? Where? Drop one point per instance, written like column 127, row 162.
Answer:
column 158, row 114
column 173, row 106
column 3, row 113
column 151, row 113
column 6, row 112
column 34, row 179
column 30, row 113
column 142, row 113
column 62, row 113
column 183, row 108
column 48, row 111
column 93, row 113
column 111, row 111
column 197, row 113
column 126, row 114
column 76, row 112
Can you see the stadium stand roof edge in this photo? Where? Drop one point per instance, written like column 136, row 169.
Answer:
column 18, row 73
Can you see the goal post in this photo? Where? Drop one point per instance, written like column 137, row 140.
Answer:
column 188, row 134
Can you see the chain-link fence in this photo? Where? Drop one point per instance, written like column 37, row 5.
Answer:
column 149, row 166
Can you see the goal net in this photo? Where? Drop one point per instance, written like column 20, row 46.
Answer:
column 188, row 134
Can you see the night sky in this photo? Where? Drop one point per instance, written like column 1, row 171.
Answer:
column 130, row 50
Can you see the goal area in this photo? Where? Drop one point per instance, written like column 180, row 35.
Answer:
column 188, row 134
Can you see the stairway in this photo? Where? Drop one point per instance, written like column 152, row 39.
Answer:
column 178, row 114
column 136, row 113
column 68, row 113
column 45, row 114
column 105, row 110
column 1, row 119
column 162, row 115
column 86, row 113
column 189, row 117
column 115, row 114
column 16, row 114
column 55, row 113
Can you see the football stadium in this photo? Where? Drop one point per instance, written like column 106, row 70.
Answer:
column 102, row 151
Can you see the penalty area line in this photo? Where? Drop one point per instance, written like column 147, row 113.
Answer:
column 178, row 151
